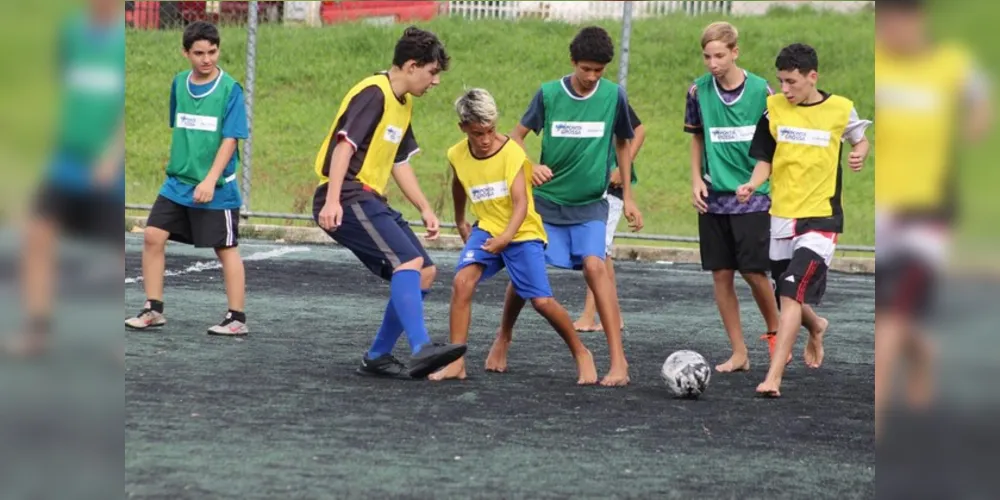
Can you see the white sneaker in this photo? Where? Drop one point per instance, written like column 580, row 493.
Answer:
column 229, row 327
column 147, row 318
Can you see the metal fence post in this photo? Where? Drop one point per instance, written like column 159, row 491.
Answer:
column 626, row 42
column 250, row 76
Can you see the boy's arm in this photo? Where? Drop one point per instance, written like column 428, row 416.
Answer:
column 694, row 126
column 406, row 179
column 460, row 199
column 855, row 134
column 234, row 128
column 111, row 161
column 519, row 199
column 533, row 121
column 762, row 148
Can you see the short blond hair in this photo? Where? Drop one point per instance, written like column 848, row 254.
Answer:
column 720, row 32
column 476, row 106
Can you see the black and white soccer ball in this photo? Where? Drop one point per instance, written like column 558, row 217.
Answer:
column 686, row 373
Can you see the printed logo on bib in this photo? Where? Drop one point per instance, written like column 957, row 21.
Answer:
column 95, row 79
column 578, row 130
column 393, row 134
column 197, row 122
column 805, row 136
column 486, row 192
column 732, row 134
column 908, row 98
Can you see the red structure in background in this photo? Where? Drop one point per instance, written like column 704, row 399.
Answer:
column 160, row 15
column 335, row 12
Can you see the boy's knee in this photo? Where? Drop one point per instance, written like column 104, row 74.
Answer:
column 594, row 266
column 154, row 238
column 416, row 264
column 463, row 287
column 543, row 303
column 724, row 275
column 427, row 276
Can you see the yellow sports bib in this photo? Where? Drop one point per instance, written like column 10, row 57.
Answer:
column 381, row 153
column 487, row 184
column 916, row 106
column 806, row 174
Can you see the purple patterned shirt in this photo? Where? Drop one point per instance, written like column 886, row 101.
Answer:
column 722, row 203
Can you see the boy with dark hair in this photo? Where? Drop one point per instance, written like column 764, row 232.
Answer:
column 83, row 189
column 199, row 204
column 371, row 140
column 584, row 123
column 491, row 171
column 722, row 110
column 798, row 144
column 931, row 99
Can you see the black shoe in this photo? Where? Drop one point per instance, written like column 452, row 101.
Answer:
column 385, row 366
column 433, row 357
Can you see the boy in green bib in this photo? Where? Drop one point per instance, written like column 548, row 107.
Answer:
column 723, row 107
column 584, row 123
column 199, row 203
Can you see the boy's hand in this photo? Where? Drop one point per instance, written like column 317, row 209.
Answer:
column 616, row 178
column 331, row 216
column 744, row 192
column 464, row 230
column 540, row 174
column 431, row 223
column 633, row 215
column 496, row 245
column 204, row 191
column 856, row 161
column 699, row 191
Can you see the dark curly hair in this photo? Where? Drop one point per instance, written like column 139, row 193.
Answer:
column 592, row 44
column 198, row 31
column 421, row 46
column 797, row 56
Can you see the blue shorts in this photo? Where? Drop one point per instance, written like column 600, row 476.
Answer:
column 570, row 245
column 378, row 235
column 525, row 263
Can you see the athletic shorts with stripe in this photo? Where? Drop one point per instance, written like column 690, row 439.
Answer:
column 201, row 227
column 524, row 261
column 377, row 235
column 910, row 255
column 800, row 262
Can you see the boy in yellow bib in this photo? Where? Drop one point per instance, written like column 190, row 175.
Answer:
column 491, row 171
column 798, row 145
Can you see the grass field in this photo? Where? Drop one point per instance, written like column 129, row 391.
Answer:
column 303, row 73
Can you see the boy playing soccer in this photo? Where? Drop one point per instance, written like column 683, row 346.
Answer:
column 370, row 140
column 798, row 144
column 583, row 119
column 199, row 203
column 588, row 318
column 727, row 102
column 84, row 187
column 491, row 171
column 931, row 100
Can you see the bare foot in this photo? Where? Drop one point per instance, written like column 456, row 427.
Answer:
column 496, row 361
column 769, row 388
column 586, row 370
column 814, row 347
column 737, row 363
column 581, row 325
column 616, row 377
column 454, row 371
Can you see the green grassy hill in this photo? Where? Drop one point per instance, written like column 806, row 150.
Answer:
column 302, row 74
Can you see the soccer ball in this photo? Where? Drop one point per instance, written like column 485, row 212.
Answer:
column 686, row 373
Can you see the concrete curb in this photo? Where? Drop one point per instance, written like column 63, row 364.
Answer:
column 315, row 235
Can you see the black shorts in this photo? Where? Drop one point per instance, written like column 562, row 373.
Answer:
column 736, row 242
column 87, row 215
column 376, row 234
column 906, row 285
column 801, row 278
column 201, row 227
